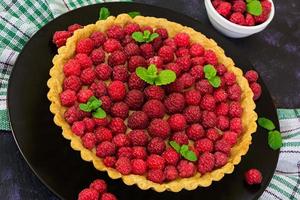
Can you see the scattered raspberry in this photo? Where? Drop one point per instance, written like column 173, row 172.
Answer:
column 213, row 134
column 222, row 122
column 223, row 146
column 249, row 20
column 147, row 50
column 83, row 95
column 111, row 45
column 68, row 98
column 174, row 103
column 239, row 6
column 186, row 169
column 99, row 185
column 78, row 128
column 156, row 175
column 256, row 89
column 177, row 122
column 88, row 76
column 89, row 140
column 182, row 39
column 170, row 173
column 204, row 87
column 60, row 37
column 121, row 140
column 155, row 162
column 166, row 53
column 105, row 148
column 206, row 163
column 103, row 71
column 198, row 61
column 159, row 128
column 134, row 99
column 139, row 152
column 171, row 156
column 154, row 92
column 138, row 137
column 88, row 194
column 72, row 83
column 162, row 32
column 220, row 159
column 195, row 132
column 72, row 67
column 84, row 60
column 115, row 32
column 117, row 58
column 134, row 82
column 71, row 115
column 209, row 119
column 138, row 120
column 156, row 60
column 237, row 18
column 98, row 38
column 117, row 125
column 204, row 145
column 210, row 57
column 136, row 61
column 156, row 146
column 224, row 8
column 116, row 90
column 182, row 52
column 253, row 176
column 251, row 76
column 180, row 138
column 196, row 50
column 109, row 161
column 108, row 196
column 124, row 152
column 99, row 89
column 85, row 45
column 192, row 97
column 106, row 103
column 154, row 109
column 131, row 28
column 132, row 49
column 236, row 125
column 208, row 102
column 123, row 165
column 220, row 95
column 192, row 114
column 187, row 80
column 235, row 109
column 197, row 72
column 171, row 43
column 139, row 166
column 234, row 92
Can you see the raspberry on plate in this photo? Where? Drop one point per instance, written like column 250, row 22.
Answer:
column 99, row 185
column 253, row 177
column 88, row 194
column 108, row 196
column 60, row 38
column 256, row 89
column 251, row 76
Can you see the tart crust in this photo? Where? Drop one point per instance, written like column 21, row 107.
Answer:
column 249, row 116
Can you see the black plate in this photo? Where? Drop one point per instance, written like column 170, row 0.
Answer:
column 61, row 168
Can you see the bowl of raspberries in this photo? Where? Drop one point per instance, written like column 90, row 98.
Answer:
column 240, row 18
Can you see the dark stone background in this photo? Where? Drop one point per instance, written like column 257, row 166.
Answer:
column 275, row 53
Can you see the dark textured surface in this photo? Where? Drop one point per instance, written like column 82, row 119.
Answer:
column 273, row 52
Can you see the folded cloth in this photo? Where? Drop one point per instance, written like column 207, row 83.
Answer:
column 19, row 20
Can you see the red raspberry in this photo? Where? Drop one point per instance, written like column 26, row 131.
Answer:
column 180, row 138
column 229, row 78
column 208, row 102
column 192, row 114
column 88, row 76
column 220, row 95
column 102, row 121
column 239, row 6
column 253, row 176
column 68, row 98
column 220, row 159
column 170, row 173
column 192, row 97
column 117, row 125
column 159, row 128
column 256, row 89
column 197, row 72
column 204, row 145
column 210, row 57
column 71, row 115
column 195, row 132
column 134, row 99
column 174, row 67
column 237, row 18
column 89, row 124
column 109, row 161
column 84, row 60
column 155, row 162
column 147, row 28
column 123, row 165
column 72, row 67
column 72, row 83
column 115, row 32
column 196, row 50
column 78, row 128
column 134, row 82
column 103, row 134
column 111, row 45
column 156, row 60
column 105, row 148
column 198, row 61
column 120, row 109
column 182, row 52
column 157, row 43
column 187, row 80
column 108, row 196
column 125, row 152
column 139, row 166
column 265, row 13
column 103, row 71
column 251, row 76
column 156, row 175
column 116, row 90
column 147, row 50
column 216, row 3
column 230, row 137
column 174, row 103
column 138, row 137
column 234, row 92
column 139, row 152
column 88, row 194
column 223, row 146
column 97, row 56
column 132, row 49
column 209, row 119
column 221, row 69
column 222, row 123
column 171, row 156
column 131, row 28
column 99, row 89
column 60, row 37
column 176, row 87
column 85, row 45
column 89, row 140
column 98, row 38
column 99, row 185
column 182, row 39
column 186, row 169
column 117, row 58
column 166, row 53
column 154, row 109
column 126, row 40
column 138, row 120
column 184, row 63
column 249, row 20
column 154, row 92
column 156, row 146
column 236, row 125
column 206, row 163
column 136, row 61
column 162, row 32
column 177, row 122
column 235, row 109
column 106, row 103
column 171, row 43
column 203, row 86
column 120, row 73
column 224, row 8
column 213, row 134
column 266, row 5
column 83, row 95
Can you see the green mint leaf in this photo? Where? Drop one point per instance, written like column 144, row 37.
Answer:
column 209, row 71
column 142, row 73
column 165, row 77
column 133, row 14
column 254, row 7
column 184, row 149
column 152, row 70
column 175, row 146
column 104, row 13
column 138, row 36
column 190, row 155
column 152, row 37
column 91, row 99
column 215, row 81
column 146, row 35
column 95, row 104
column 84, row 107
column 275, row 140
column 248, row 1
column 266, row 123
column 99, row 113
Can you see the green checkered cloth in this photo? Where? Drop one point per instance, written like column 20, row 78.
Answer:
column 19, row 20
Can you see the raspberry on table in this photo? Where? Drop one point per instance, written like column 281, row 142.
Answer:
column 182, row 39
column 120, row 73
column 138, row 120
column 162, row 32
column 224, row 8
column 213, row 134
column 103, row 134
column 159, row 128
column 196, row 50
column 156, row 146
column 195, row 132
column 155, row 162
column 85, row 45
column 68, row 98
column 256, row 89
column 154, row 92
column 177, row 122
column 124, row 152
column 186, row 169
column 103, row 71
column 134, row 99
column 220, row 159
column 99, row 185
column 134, row 82
column 84, row 95
column 204, row 145
column 139, row 166
column 89, row 140
column 72, row 67
column 174, row 103
column 115, row 32
column 116, row 90
column 123, row 165
column 192, row 97
column 192, row 114
column 121, row 140
column 139, row 152
column 105, row 148
column 138, row 137
column 171, row 173
column 72, row 83
column 208, row 102
column 109, row 161
column 111, row 45
column 156, row 60
column 253, row 177
column 204, row 87
column 97, row 56
column 78, row 128
column 108, row 196
column 135, row 62
column 206, row 163
column 180, row 138
column 154, row 109
column 166, row 53
column 98, row 38
column 171, row 156
column 132, row 49
column 117, row 58
column 222, row 122
column 84, row 60
column 88, row 194
column 88, row 76
column 99, row 89
column 156, row 175
column 182, row 51
column 237, row 18
column 209, row 119
column 117, row 125
column 197, row 72
column 131, row 28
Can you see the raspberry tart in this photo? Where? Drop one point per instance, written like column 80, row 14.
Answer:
column 180, row 124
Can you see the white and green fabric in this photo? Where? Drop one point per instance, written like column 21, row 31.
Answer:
column 19, row 20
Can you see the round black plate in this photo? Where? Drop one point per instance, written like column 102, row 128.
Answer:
column 61, row 168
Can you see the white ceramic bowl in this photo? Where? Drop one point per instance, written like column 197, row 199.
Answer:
column 234, row 30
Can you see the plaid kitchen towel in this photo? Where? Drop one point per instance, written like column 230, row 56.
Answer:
column 19, row 20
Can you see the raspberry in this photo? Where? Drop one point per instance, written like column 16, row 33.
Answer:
column 223, row 146
column 72, row 83
column 116, row 90
column 171, row 43
column 108, row 196
column 154, row 92
column 117, row 125
column 253, row 176
column 89, row 140
column 192, row 97
column 134, row 82
column 84, row 60
column 103, row 134
column 166, row 53
column 171, row 156
column 132, row 49
column 204, row 145
column 220, row 159
column 139, row 152
column 156, row 175
column 147, row 28
column 162, row 32
column 230, row 137
column 111, row 45
column 103, row 71
column 197, row 72
column 117, row 58
column 109, row 161
column 170, row 173
column 235, row 109
column 138, row 137
column 203, row 86
column 221, row 69
column 187, row 80
column 234, row 92
column 123, row 165
column 156, row 146
column 106, row 103
column 209, row 119
column 68, row 98
column 157, row 43
column 174, row 103
column 229, row 78
column 159, row 128
column 239, row 6
column 115, row 32
column 182, row 39
column 102, row 121
column 182, row 52
column 198, row 61
column 78, row 128
column 155, row 162
column 134, row 99
column 105, row 148
column 98, row 38
column 83, row 95
column 196, row 50
column 208, row 102
column 237, row 18
column 266, row 5
column 180, row 138
column 177, row 122
column 88, row 76
column 99, row 89
column 206, row 163
column 154, row 109
column 174, row 67
column 139, row 166
column 251, row 76
column 186, row 169
column 184, row 62
column 213, row 134
column 136, row 61
column 256, row 89
column 210, row 57
column 195, row 132
column 124, row 152
column 97, row 56
column 60, row 37
column 216, row 3
column 120, row 109
column 176, row 87
column 249, row 20
column 220, row 95
column 99, row 185
column 85, row 45
column 89, row 124
column 131, row 28
column 265, row 14
column 88, row 194
column 120, row 73
column 156, row 60
column 224, row 9
column 192, row 114
column 138, row 120
column 222, row 123
column 236, row 125
column 71, row 115
column 72, row 67
column 147, row 50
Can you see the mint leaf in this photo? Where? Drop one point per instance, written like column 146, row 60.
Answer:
column 165, row 77
column 133, row 14
column 275, row 140
column 209, row 71
column 248, row 1
column 95, row 104
column 104, row 13
column 152, row 37
column 99, row 113
column 146, row 35
column 254, row 7
column 190, row 155
column 84, row 107
column 184, row 149
column 142, row 73
column 138, row 36
column 152, row 70
column 215, row 81
column 266, row 123
column 175, row 146
column 91, row 99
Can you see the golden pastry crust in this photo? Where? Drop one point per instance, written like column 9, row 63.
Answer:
column 249, row 117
